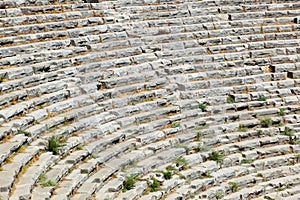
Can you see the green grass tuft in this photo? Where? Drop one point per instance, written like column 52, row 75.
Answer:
column 216, row 156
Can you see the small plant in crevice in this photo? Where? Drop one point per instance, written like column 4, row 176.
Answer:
column 246, row 161
column 44, row 182
column 297, row 156
column 266, row 122
column 281, row 112
column 23, row 132
column 205, row 175
column 54, row 144
column 180, row 161
column 259, row 132
column 48, row 183
column 283, row 188
column 170, row 168
column 129, row 182
column 167, row 175
column 198, row 136
column 202, row 107
column 294, row 141
column 261, row 98
column 198, row 131
column 154, row 185
column 42, row 178
column 2, row 79
column 175, row 125
column 80, row 147
column 187, row 149
column 216, row 156
column 230, row 99
column 288, row 132
column 219, row 195
column 243, row 128
column 279, row 124
column 234, row 186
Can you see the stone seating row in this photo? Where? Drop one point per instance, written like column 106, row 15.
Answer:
column 49, row 126
column 13, row 4
column 264, row 187
column 8, row 60
column 7, row 30
column 45, row 9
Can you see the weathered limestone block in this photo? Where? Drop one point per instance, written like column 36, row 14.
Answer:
column 58, row 171
column 6, row 181
column 247, row 145
column 194, row 159
column 223, row 174
column 41, row 193
column 147, row 138
column 271, row 162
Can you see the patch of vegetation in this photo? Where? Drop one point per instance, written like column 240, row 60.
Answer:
column 2, row 79
column 80, row 147
column 219, row 195
column 297, row 157
column 36, row 122
column 167, row 175
column 187, row 149
column 281, row 112
column 261, row 98
column 202, row 107
column 48, row 183
column 54, row 144
column 44, row 182
column 129, row 182
column 205, row 175
column 234, row 186
column 175, row 125
column 283, row 188
column 149, row 99
column 243, row 128
column 198, row 136
column 246, row 161
column 180, row 161
column 259, row 132
column 294, row 142
column 288, row 132
column 155, row 185
column 279, row 124
column 216, row 156
column 266, row 122
column 42, row 178
column 23, row 132
column 170, row 168
column 230, row 99
column 192, row 196
column 198, row 130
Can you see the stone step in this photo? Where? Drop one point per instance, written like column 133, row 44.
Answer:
column 10, row 146
column 26, row 182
